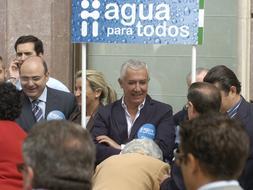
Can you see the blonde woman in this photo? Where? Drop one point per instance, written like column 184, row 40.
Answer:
column 98, row 93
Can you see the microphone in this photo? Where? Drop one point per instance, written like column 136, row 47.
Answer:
column 147, row 131
column 55, row 115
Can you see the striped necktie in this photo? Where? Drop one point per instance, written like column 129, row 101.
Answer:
column 37, row 111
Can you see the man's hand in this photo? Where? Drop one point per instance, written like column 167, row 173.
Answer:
column 108, row 140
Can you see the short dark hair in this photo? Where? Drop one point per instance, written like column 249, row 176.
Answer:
column 224, row 77
column 38, row 45
column 220, row 144
column 61, row 154
column 10, row 102
column 205, row 97
column 45, row 66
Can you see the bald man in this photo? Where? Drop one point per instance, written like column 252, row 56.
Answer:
column 39, row 101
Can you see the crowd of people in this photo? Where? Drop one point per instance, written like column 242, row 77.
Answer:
column 134, row 142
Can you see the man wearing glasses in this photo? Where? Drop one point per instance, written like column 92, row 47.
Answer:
column 203, row 98
column 212, row 152
column 235, row 106
column 39, row 101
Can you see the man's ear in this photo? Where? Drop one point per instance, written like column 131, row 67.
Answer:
column 233, row 90
column 193, row 164
column 47, row 76
column 40, row 55
column 192, row 113
column 30, row 172
column 28, row 178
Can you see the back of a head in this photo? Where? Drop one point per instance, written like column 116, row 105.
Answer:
column 224, row 77
column 38, row 45
column 219, row 143
column 98, row 82
column 61, row 155
column 132, row 64
column 143, row 146
column 10, row 102
column 205, row 97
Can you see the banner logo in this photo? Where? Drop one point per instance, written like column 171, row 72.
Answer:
column 94, row 15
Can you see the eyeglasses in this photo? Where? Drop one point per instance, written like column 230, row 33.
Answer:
column 33, row 79
column 21, row 167
column 186, row 106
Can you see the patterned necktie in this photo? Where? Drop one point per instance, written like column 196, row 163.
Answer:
column 37, row 111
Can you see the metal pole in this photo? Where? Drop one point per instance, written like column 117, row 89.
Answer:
column 84, row 58
column 194, row 62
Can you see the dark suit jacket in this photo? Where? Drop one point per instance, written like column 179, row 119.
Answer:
column 76, row 117
column 176, row 181
column 180, row 116
column 245, row 114
column 56, row 100
column 111, row 121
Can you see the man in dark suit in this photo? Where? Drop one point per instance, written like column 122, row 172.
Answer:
column 212, row 152
column 39, row 101
column 135, row 115
column 236, row 107
column 182, row 115
column 203, row 98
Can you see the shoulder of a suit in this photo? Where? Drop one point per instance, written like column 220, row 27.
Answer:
column 55, row 91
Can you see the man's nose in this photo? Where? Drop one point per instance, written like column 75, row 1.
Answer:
column 21, row 58
column 30, row 82
column 78, row 93
column 137, row 86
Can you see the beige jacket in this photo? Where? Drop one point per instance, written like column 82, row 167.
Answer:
column 132, row 171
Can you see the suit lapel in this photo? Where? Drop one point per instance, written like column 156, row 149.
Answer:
column 27, row 111
column 51, row 102
column 120, row 121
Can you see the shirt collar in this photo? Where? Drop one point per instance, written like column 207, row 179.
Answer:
column 125, row 106
column 232, row 111
column 216, row 184
column 42, row 97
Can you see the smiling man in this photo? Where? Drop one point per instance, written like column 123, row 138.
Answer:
column 39, row 101
column 135, row 115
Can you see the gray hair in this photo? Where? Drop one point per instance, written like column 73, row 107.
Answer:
column 54, row 158
column 199, row 70
column 133, row 64
column 143, row 146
